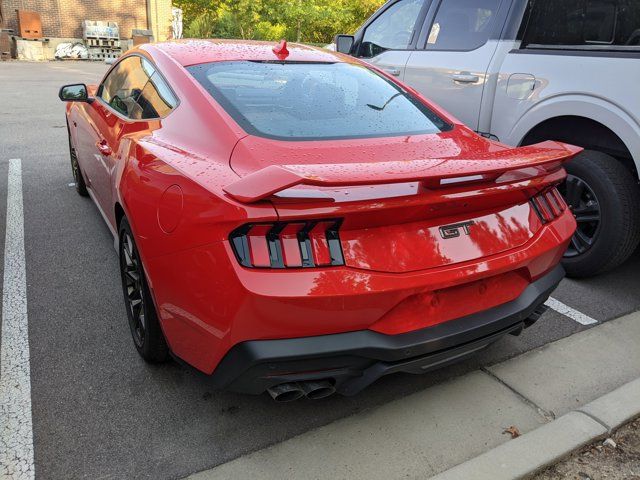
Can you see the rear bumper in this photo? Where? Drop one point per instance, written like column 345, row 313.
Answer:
column 354, row 360
column 212, row 304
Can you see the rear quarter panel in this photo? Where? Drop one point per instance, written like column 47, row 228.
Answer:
column 171, row 172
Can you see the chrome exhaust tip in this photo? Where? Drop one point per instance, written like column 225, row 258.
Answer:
column 286, row 392
column 315, row 390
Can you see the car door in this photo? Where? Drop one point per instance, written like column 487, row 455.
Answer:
column 450, row 63
column 387, row 40
column 116, row 104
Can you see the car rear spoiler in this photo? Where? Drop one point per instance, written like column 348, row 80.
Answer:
column 434, row 173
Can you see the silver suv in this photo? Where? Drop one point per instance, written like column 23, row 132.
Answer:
column 522, row 71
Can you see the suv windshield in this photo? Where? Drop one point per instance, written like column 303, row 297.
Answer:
column 314, row 101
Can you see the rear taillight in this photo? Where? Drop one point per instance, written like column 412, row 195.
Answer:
column 549, row 205
column 288, row 244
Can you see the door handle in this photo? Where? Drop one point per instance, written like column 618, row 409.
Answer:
column 465, row 77
column 393, row 71
column 104, row 148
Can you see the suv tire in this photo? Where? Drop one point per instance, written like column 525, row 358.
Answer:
column 599, row 185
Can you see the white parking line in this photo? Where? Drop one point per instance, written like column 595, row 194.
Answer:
column 16, row 428
column 567, row 311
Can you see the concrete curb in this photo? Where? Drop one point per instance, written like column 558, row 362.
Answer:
column 616, row 408
column 540, row 448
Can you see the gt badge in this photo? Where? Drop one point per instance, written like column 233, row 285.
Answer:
column 453, row 230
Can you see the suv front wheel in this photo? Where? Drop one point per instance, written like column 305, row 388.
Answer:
column 605, row 200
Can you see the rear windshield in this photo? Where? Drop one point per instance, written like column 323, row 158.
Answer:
column 314, row 101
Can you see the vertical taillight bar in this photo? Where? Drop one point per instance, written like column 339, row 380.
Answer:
column 320, row 244
column 549, row 205
column 259, row 246
column 291, row 245
column 288, row 245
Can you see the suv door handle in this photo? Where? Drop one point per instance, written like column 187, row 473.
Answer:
column 104, row 148
column 465, row 77
column 393, row 71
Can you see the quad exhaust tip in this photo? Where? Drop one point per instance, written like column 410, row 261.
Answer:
column 313, row 390
column 286, row 392
column 316, row 390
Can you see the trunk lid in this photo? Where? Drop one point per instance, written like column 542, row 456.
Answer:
column 405, row 204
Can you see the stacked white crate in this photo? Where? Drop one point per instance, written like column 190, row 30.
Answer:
column 102, row 39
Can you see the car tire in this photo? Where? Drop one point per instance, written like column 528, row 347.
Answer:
column 605, row 199
column 141, row 312
column 81, row 186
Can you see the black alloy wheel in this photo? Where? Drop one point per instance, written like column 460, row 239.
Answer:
column 134, row 295
column 80, row 185
column 586, row 210
column 604, row 197
column 146, row 331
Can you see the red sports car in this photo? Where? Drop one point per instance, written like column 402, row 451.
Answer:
column 296, row 221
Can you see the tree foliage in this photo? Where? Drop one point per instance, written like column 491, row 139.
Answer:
column 311, row 21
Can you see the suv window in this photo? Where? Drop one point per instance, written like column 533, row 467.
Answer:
column 462, row 25
column 392, row 30
column 583, row 23
column 135, row 89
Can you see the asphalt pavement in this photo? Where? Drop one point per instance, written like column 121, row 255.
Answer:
column 98, row 410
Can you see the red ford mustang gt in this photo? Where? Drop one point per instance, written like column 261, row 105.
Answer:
column 295, row 221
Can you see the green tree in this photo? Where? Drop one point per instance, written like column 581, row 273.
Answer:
column 203, row 25
column 312, row 21
column 303, row 18
column 191, row 9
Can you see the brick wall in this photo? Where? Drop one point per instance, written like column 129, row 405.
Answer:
column 63, row 18
column 48, row 10
column 160, row 13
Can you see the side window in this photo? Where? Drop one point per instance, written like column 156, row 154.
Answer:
column 392, row 30
column 156, row 99
column 462, row 25
column 599, row 21
column 583, row 23
column 123, row 85
column 135, row 89
column 627, row 28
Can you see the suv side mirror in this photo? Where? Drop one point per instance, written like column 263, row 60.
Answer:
column 344, row 43
column 74, row 93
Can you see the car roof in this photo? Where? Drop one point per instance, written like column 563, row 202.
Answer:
column 194, row 51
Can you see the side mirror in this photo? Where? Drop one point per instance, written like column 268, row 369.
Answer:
column 74, row 93
column 344, row 43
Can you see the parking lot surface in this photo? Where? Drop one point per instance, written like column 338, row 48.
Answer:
column 98, row 410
